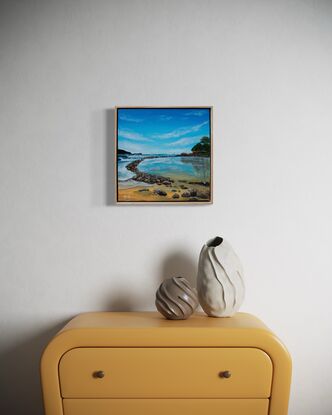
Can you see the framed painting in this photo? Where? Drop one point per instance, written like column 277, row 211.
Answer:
column 163, row 155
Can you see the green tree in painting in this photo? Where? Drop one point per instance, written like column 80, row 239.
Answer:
column 202, row 148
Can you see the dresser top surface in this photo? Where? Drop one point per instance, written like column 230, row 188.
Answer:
column 150, row 329
column 153, row 320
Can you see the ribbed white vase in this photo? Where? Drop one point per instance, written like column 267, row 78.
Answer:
column 220, row 284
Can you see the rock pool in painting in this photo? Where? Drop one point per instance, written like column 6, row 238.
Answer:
column 164, row 155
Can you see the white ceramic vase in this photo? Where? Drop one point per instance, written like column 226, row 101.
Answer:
column 220, row 284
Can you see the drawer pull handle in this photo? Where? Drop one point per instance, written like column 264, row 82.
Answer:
column 99, row 374
column 225, row 374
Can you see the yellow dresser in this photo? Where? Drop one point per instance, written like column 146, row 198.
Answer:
column 138, row 363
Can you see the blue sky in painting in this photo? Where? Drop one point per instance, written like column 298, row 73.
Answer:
column 161, row 130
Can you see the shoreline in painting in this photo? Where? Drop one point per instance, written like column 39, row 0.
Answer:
column 163, row 177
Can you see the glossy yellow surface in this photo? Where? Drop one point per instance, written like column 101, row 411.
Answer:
column 165, row 406
column 165, row 373
column 150, row 330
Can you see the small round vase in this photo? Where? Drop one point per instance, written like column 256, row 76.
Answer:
column 220, row 279
column 176, row 299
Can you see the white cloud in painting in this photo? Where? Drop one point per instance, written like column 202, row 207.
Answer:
column 130, row 119
column 195, row 113
column 131, row 135
column 185, row 141
column 180, row 132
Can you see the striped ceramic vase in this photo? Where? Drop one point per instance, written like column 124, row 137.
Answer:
column 175, row 299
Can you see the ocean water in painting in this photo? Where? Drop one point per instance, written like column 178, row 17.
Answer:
column 186, row 168
column 190, row 168
column 123, row 173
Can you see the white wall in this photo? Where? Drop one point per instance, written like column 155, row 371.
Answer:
column 265, row 66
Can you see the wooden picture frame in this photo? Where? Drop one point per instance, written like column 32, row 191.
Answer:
column 164, row 155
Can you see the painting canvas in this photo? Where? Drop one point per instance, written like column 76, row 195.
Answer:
column 163, row 155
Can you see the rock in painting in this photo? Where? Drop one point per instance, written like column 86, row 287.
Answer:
column 176, row 299
column 160, row 192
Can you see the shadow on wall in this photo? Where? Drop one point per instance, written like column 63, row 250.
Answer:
column 20, row 375
column 121, row 300
column 103, row 189
column 178, row 264
column 175, row 264
column 110, row 190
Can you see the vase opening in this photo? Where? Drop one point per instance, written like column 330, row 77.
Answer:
column 215, row 242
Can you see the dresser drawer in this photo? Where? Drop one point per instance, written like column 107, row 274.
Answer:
column 165, row 373
column 165, row 406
